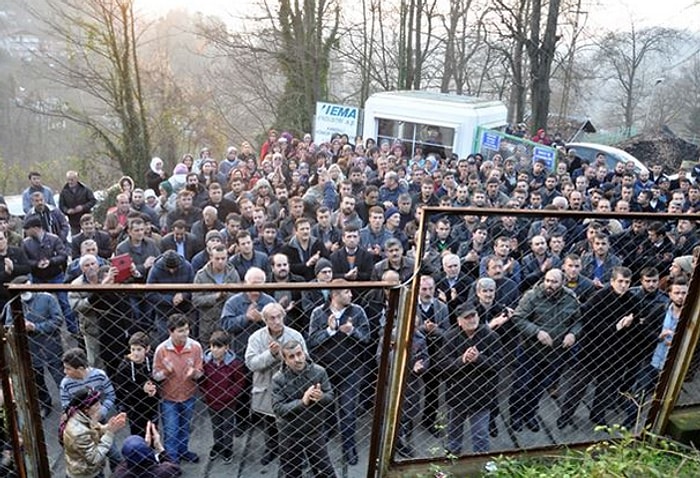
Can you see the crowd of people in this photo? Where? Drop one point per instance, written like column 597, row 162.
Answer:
column 579, row 301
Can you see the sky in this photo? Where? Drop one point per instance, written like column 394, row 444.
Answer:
column 611, row 14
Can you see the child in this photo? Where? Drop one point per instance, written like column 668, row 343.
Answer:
column 177, row 365
column 223, row 379
column 136, row 392
column 80, row 375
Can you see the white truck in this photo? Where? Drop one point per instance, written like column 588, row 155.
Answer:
column 436, row 122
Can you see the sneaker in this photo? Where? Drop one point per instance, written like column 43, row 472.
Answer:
column 227, row 455
column 268, row 457
column 190, row 457
column 213, row 454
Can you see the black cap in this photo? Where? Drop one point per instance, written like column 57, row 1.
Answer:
column 465, row 310
column 31, row 221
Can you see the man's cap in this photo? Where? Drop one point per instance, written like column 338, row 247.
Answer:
column 390, row 212
column 322, row 263
column 213, row 235
column 465, row 310
column 31, row 221
column 171, row 259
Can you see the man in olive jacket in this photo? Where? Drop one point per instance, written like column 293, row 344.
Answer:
column 301, row 393
column 548, row 318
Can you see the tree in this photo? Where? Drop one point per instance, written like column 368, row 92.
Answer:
column 306, row 34
column 540, row 49
column 628, row 56
column 96, row 58
column 298, row 37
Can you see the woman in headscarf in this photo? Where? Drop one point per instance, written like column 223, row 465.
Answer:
column 85, row 441
column 156, row 174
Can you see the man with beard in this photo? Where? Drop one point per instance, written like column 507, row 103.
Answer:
column 199, row 192
column 338, row 334
column 548, row 318
column 290, row 299
column 346, row 215
column 185, row 210
column 89, row 231
column 605, row 347
column 52, row 219
column 75, row 200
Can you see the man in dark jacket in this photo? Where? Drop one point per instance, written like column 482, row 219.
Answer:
column 301, row 393
column 609, row 339
column 47, row 258
column 170, row 268
column 184, row 243
column 75, row 200
column 304, row 250
column 338, row 335
column 13, row 263
column 471, row 361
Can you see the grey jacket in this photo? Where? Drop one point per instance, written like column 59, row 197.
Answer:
column 264, row 365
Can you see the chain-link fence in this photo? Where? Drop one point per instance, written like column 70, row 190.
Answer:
column 516, row 332
column 539, row 330
column 215, row 368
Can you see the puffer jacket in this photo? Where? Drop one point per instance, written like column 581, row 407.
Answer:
column 85, row 446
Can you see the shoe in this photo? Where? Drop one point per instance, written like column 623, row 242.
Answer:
column 435, row 430
column 268, row 457
column 533, row 425
column 563, row 422
column 516, row 425
column 404, row 450
column 213, row 454
column 452, row 453
column 493, row 428
column 598, row 420
column 45, row 411
column 189, row 457
column 227, row 455
column 350, row 456
column 554, row 392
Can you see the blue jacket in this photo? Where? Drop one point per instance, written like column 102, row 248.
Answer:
column 234, row 321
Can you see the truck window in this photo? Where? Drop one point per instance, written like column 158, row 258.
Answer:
column 433, row 139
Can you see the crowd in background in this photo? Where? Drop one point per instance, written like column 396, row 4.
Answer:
column 297, row 211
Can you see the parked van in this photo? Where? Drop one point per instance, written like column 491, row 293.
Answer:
column 435, row 122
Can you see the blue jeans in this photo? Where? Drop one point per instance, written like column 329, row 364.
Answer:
column 478, row 427
column 176, row 425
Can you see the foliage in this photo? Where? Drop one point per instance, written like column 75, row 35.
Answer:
column 96, row 61
column 622, row 455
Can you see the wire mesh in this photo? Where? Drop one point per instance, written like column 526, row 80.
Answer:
column 515, row 347
column 541, row 338
column 216, row 414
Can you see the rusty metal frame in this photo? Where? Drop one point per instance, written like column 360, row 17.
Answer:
column 671, row 379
